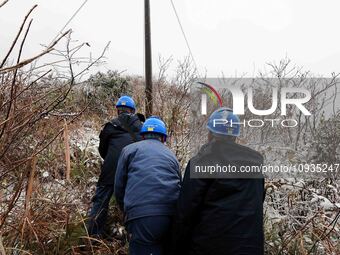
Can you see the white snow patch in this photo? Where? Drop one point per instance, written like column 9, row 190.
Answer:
column 45, row 174
column 86, row 139
column 324, row 202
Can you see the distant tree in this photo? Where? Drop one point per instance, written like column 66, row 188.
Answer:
column 112, row 83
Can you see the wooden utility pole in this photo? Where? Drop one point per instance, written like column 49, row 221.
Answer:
column 148, row 60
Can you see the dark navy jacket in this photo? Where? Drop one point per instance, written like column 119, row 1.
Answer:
column 113, row 138
column 220, row 216
column 147, row 180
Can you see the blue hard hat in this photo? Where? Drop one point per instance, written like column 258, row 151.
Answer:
column 126, row 101
column 154, row 125
column 224, row 122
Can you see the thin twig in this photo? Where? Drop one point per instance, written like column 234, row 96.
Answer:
column 30, row 60
column 13, row 88
column 17, row 36
column 94, row 62
column 3, row 3
column 27, row 87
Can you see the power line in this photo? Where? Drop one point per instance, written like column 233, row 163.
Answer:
column 184, row 35
column 70, row 20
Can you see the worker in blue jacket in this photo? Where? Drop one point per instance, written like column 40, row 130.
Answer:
column 147, row 186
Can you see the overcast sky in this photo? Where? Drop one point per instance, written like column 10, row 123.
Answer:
column 229, row 36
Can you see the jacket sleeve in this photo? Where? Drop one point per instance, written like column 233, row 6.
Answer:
column 121, row 179
column 178, row 169
column 104, row 138
column 190, row 200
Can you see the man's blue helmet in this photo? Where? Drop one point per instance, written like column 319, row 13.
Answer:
column 154, row 125
column 224, row 122
column 126, row 101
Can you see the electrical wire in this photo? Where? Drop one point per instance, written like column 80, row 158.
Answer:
column 184, row 35
column 70, row 20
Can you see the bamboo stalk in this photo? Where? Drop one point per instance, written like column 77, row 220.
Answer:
column 30, row 182
column 67, row 152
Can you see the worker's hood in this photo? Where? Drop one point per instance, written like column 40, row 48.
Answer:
column 130, row 120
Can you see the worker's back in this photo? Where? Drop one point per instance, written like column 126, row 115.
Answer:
column 228, row 219
column 153, row 179
column 115, row 135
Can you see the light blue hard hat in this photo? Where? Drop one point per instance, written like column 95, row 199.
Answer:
column 224, row 122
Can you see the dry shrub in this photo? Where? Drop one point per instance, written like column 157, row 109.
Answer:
column 40, row 212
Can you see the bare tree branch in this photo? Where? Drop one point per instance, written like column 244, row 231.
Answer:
column 17, row 36
column 27, row 61
column 3, row 3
